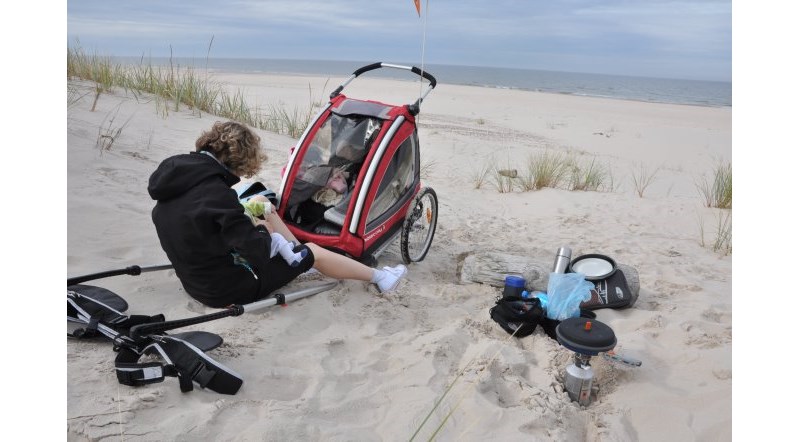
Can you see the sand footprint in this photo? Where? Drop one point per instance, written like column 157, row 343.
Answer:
column 502, row 385
column 447, row 360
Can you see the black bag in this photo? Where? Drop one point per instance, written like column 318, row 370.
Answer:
column 517, row 314
column 612, row 292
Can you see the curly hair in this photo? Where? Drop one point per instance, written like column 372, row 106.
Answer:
column 235, row 145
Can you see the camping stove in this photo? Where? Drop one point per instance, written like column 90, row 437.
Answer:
column 587, row 338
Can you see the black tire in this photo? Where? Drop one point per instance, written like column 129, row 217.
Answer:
column 419, row 226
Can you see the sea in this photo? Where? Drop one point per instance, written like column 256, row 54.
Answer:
column 657, row 90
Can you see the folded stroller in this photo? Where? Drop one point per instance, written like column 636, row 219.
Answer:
column 95, row 312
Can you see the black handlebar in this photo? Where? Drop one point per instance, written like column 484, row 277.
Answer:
column 131, row 270
column 414, row 69
column 367, row 68
column 371, row 67
column 426, row 75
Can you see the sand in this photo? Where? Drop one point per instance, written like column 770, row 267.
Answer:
column 351, row 364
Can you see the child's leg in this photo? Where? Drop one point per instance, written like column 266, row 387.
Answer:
column 339, row 266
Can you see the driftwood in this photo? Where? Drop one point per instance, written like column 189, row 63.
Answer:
column 493, row 267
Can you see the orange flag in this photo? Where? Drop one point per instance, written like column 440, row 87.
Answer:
column 416, row 3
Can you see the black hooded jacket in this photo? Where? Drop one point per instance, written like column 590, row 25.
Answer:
column 201, row 223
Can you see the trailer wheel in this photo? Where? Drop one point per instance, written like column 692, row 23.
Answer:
column 419, row 226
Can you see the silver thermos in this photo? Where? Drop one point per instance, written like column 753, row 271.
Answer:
column 563, row 257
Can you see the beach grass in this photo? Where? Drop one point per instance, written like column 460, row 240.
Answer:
column 588, row 176
column 719, row 192
column 505, row 178
column 74, row 95
column 544, row 169
column 722, row 235
column 642, row 177
column 723, row 239
column 173, row 86
column 547, row 169
column 234, row 107
column 481, row 174
column 110, row 129
column 502, row 182
column 288, row 121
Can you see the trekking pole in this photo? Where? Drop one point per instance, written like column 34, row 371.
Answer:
column 130, row 270
column 139, row 332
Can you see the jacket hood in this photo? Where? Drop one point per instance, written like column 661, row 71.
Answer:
column 177, row 174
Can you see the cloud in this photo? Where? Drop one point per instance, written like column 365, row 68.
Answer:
column 503, row 32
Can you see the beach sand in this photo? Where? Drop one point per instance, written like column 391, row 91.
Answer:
column 351, row 364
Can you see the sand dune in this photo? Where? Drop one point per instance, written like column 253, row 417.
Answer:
column 350, row 364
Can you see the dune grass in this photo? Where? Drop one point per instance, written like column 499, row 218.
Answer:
column 544, row 169
column 481, row 173
column 502, row 183
column 110, row 130
column 173, row 86
column 723, row 242
column 642, row 177
column 292, row 121
column 722, row 235
column 505, row 178
column 588, row 176
column 99, row 69
column 74, row 95
column 557, row 170
column 719, row 192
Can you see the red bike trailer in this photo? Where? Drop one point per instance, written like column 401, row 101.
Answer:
column 352, row 183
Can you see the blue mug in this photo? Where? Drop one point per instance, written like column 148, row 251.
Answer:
column 514, row 286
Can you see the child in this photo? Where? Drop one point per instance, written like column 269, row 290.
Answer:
column 255, row 208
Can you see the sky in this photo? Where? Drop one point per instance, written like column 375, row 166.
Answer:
column 688, row 39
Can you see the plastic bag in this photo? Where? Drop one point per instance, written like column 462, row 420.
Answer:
column 565, row 292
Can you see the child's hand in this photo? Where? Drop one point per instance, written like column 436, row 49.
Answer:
column 265, row 224
column 268, row 207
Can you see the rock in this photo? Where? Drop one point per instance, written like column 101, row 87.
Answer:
column 510, row 173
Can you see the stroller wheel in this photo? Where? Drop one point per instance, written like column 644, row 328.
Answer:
column 419, row 226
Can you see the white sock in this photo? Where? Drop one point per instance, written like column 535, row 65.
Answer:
column 290, row 256
column 286, row 249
